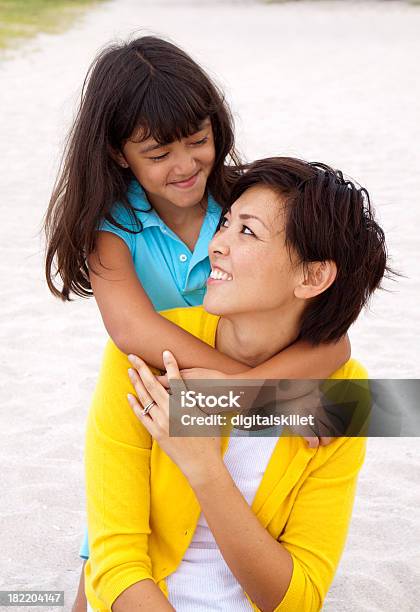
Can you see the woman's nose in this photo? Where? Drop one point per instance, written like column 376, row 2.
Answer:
column 219, row 244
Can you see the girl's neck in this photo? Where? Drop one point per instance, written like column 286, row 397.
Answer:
column 254, row 337
column 184, row 222
column 176, row 217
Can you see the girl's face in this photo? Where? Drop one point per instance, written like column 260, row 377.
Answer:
column 174, row 174
column 250, row 249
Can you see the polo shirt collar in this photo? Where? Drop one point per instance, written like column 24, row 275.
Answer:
column 144, row 210
column 150, row 218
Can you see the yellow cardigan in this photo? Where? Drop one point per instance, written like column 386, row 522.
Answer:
column 142, row 512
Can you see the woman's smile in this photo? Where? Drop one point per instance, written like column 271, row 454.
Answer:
column 218, row 276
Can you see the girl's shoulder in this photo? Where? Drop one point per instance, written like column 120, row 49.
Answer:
column 213, row 207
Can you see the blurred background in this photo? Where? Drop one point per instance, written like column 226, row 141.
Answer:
column 336, row 82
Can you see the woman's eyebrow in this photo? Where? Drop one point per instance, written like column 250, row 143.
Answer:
column 244, row 216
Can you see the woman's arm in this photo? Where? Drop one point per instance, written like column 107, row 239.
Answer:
column 294, row 572
column 143, row 596
column 130, row 318
column 261, row 565
column 117, row 471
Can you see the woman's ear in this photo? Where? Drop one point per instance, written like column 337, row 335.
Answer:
column 317, row 277
column 118, row 156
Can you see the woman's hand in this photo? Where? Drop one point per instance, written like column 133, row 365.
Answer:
column 199, row 458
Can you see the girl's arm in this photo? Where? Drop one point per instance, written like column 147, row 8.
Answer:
column 137, row 328
column 303, row 360
column 300, row 360
column 129, row 316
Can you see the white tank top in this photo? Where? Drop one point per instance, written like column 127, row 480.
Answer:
column 203, row 581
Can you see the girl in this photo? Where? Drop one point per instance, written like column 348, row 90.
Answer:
column 149, row 162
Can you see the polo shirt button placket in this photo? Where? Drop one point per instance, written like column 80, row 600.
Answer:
column 183, row 258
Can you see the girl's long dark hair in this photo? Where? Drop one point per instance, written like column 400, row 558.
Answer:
column 147, row 83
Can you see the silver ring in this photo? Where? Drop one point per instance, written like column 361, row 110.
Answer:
column 148, row 408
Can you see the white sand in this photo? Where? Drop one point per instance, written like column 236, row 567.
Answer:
column 336, row 82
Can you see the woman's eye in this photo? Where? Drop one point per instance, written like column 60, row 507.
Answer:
column 158, row 157
column 245, row 229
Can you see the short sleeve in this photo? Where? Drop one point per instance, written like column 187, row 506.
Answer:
column 84, row 548
column 126, row 219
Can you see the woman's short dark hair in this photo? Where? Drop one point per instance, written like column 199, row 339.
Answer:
column 327, row 218
column 147, row 86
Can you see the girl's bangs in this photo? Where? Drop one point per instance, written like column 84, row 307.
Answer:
column 169, row 112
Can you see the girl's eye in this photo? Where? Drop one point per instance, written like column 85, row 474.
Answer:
column 200, row 142
column 158, row 157
column 223, row 222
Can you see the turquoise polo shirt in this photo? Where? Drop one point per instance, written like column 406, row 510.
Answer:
column 170, row 273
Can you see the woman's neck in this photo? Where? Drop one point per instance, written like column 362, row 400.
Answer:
column 252, row 338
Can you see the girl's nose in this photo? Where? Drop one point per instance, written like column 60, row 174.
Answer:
column 185, row 165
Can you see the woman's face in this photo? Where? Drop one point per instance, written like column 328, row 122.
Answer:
column 176, row 173
column 250, row 249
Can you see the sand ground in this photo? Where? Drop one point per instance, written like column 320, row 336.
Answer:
column 330, row 81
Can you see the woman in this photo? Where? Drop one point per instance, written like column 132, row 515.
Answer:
column 297, row 255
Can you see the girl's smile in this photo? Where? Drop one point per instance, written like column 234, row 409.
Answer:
column 173, row 174
column 187, row 183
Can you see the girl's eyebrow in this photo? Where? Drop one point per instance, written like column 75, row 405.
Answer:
column 151, row 147
column 205, row 123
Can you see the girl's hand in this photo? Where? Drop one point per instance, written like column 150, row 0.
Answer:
column 310, row 404
column 205, row 374
column 199, row 458
column 196, row 374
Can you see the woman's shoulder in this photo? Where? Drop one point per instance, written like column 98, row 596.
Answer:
column 351, row 370
column 195, row 320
